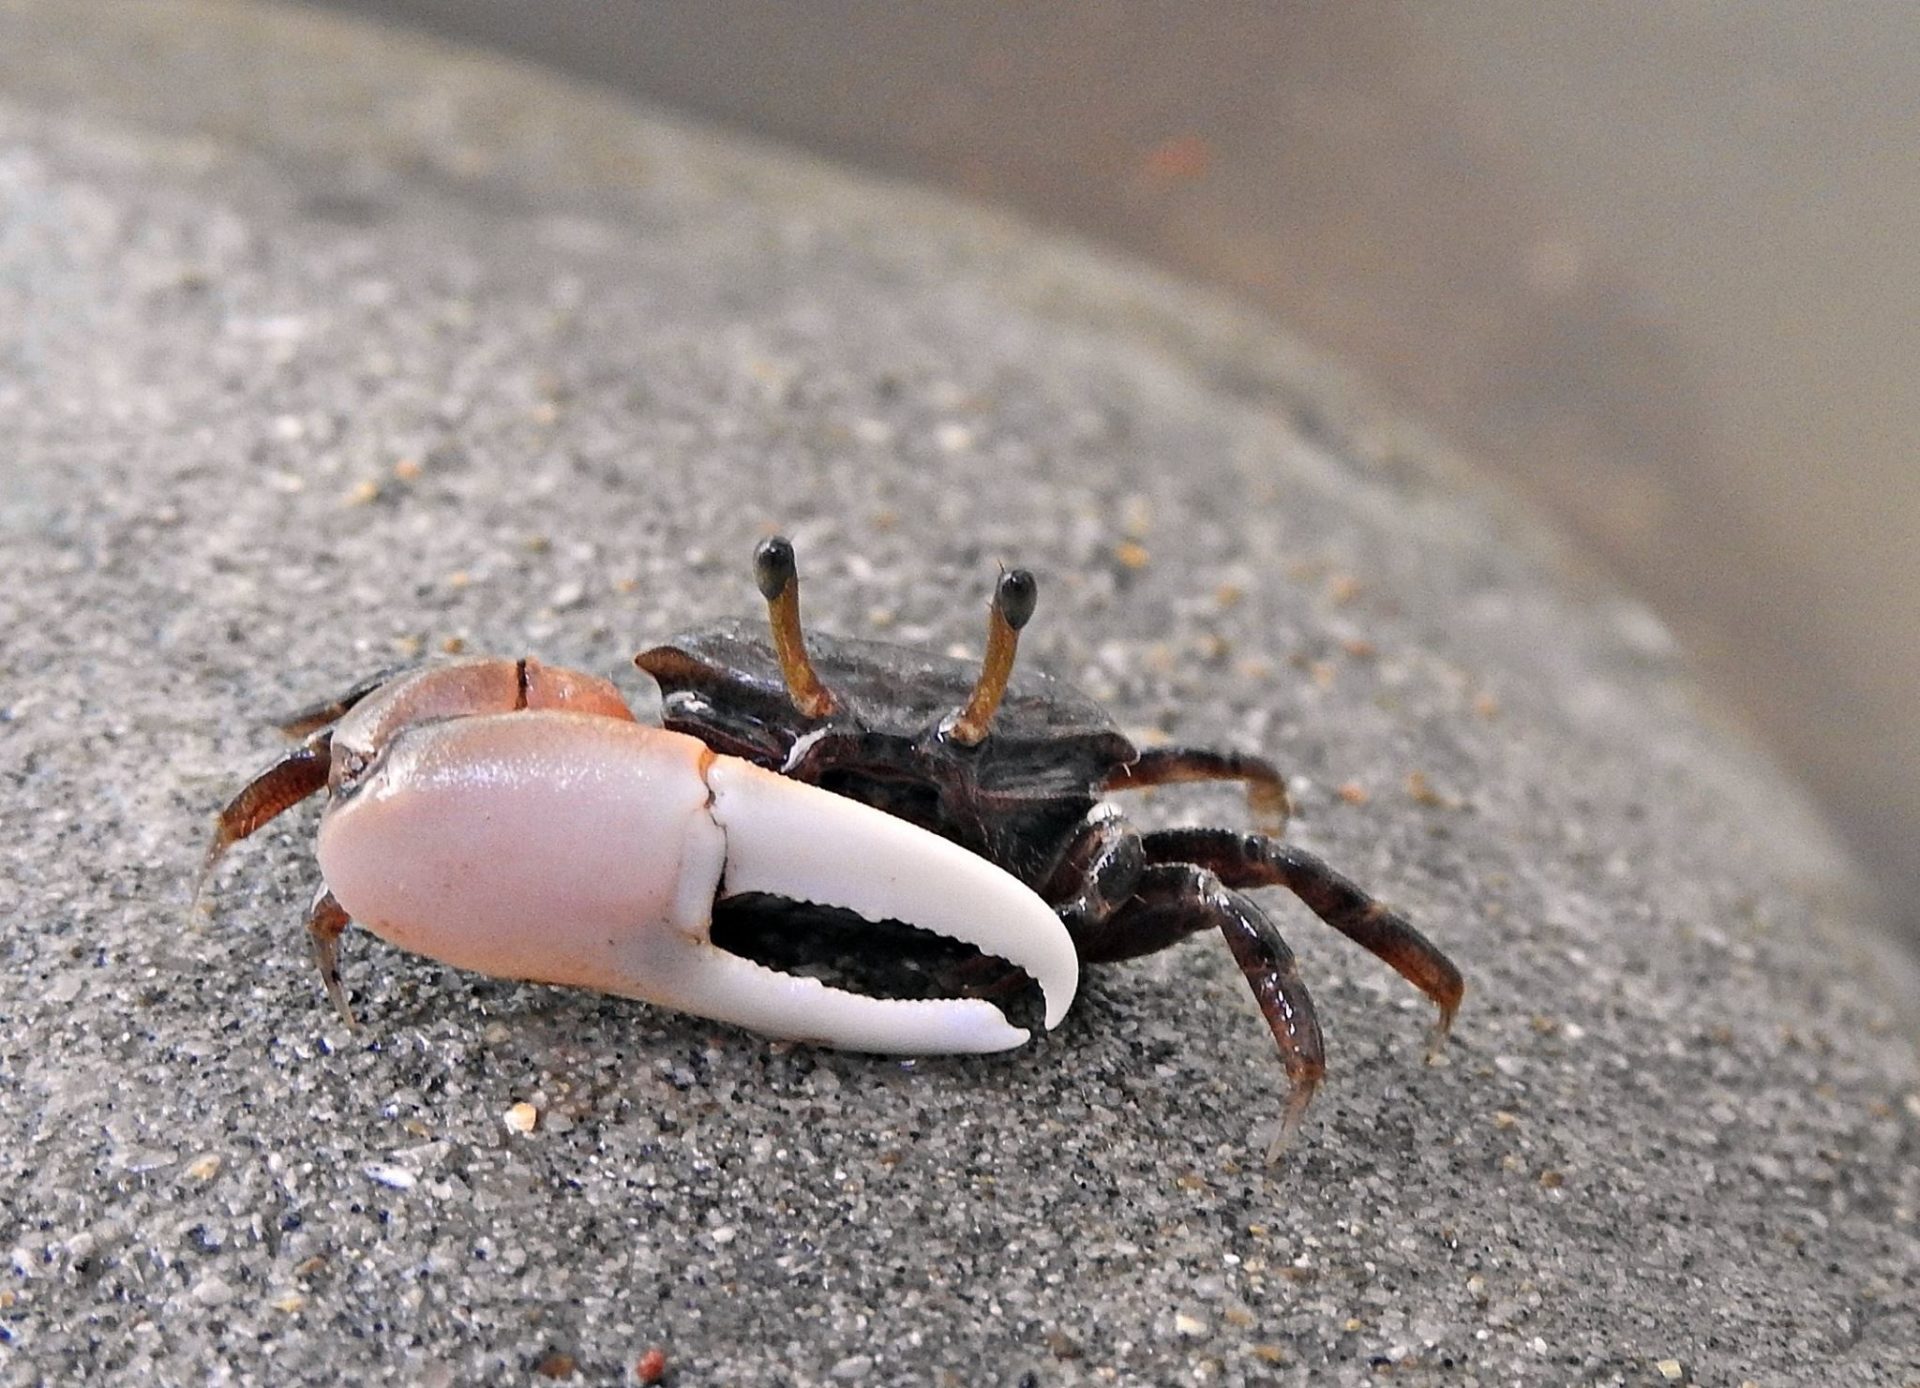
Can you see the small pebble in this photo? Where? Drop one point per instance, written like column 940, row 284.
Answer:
column 521, row 1118
column 954, row 438
column 65, row 988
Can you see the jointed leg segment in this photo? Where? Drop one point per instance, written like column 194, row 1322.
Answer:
column 325, row 923
column 1175, row 900
column 291, row 779
column 1254, row 860
column 302, row 772
column 315, row 717
column 1166, row 766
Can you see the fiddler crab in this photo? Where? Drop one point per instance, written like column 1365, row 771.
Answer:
column 514, row 818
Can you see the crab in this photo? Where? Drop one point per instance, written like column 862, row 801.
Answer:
column 515, row 818
column 1013, row 766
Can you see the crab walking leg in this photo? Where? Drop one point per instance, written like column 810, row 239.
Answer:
column 327, row 712
column 575, row 849
column 1166, row 766
column 1253, row 860
column 1175, row 900
column 326, row 922
column 301, row 772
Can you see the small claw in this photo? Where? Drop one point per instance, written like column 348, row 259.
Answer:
column 1441, row 1029
column 1298, row 1102
column 198, row 905
column 325, row 921
column 796, row 841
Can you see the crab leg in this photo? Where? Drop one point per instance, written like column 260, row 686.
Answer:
column 326, row 922
column 327, row 712
column 1253, row 860
column 1175, row 900
column 1166, row 766
column 296, row 775
column 1098, row 871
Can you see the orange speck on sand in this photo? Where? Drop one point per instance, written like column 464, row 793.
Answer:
column 1181, row 159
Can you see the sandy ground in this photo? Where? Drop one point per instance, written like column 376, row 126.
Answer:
column 1643, row 261
column 323, row 352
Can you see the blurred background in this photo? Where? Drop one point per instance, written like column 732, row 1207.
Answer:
column 1657, row 265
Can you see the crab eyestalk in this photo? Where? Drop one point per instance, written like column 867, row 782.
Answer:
column 1013, row 599
column 779, row 581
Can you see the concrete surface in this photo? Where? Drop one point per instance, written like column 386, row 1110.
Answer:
column 323, row 349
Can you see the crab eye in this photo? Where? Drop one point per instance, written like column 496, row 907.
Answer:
column 1013, row 600
column 1015, row 597
column 779, row 579
column 773, row 566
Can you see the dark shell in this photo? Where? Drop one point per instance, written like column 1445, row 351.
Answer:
column 897, row 692
column 1014, row 798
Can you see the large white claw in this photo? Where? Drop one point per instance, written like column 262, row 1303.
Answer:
column 806, row 844
column 584, row 850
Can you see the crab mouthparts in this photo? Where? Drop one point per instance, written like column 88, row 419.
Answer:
column 795, row 842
